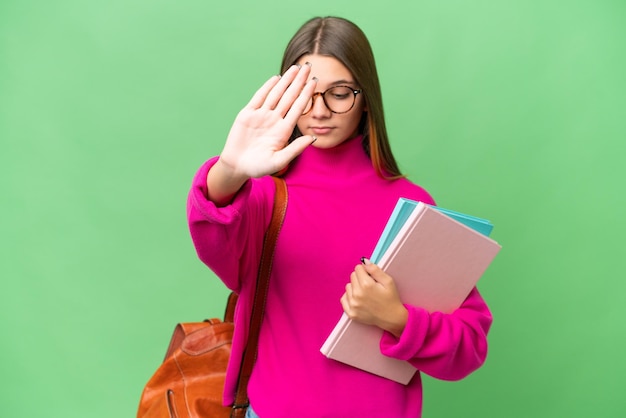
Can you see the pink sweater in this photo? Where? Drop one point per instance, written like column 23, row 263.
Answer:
column 336, row 210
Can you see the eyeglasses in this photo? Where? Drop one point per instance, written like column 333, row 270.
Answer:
column 338, row 99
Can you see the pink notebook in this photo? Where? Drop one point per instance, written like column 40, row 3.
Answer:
column 436, row 261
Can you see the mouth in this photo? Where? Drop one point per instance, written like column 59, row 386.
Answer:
column 321, row 130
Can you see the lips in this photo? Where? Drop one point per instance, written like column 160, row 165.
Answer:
column 321, row 130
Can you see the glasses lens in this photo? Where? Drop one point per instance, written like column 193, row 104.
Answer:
column 339, row 99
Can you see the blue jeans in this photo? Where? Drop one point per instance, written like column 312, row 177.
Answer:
column 250, row 413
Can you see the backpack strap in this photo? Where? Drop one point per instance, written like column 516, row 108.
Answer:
column 260, row 296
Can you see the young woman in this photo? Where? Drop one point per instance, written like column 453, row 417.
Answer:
column 321, row 126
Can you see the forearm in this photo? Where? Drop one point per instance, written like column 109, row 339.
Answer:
column 229, row 238
column 444, row 346
column 223, row 183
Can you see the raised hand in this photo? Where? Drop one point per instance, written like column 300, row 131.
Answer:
column 257, row 143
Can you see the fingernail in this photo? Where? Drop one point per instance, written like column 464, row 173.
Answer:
column 298, row 65
column 315, row 79
column 314, row 139
column 363, row 260
column 308, row 63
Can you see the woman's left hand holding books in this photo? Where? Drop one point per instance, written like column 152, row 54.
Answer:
column 372, row 298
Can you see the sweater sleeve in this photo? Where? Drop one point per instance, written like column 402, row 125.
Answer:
column 444, row 346
column 229, row 239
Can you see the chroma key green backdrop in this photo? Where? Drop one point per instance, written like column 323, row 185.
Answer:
column 511, row 110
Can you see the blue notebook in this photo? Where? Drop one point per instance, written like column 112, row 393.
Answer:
column 401, row 212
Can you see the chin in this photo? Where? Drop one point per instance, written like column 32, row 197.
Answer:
column 325, row 143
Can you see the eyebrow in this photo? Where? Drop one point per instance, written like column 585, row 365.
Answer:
column 342, row 82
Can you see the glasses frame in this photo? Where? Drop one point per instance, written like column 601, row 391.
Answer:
column 354, row 91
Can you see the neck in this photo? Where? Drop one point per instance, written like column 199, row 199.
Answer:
column 344, row 160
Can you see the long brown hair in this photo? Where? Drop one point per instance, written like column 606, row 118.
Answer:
column 343, row 40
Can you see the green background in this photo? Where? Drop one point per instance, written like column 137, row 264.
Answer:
column 513, row 110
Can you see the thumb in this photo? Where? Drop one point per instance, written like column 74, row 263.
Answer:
column 295, row 148
column 375, row 272
column 301, row 143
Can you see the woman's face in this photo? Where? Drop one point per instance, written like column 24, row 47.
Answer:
column 331, row 129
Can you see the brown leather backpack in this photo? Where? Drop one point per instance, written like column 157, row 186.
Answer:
column 190, row 381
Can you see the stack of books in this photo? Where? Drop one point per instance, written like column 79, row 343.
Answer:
column 435, row 256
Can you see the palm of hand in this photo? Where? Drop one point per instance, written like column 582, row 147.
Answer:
column 255, row 142
column 258, row 142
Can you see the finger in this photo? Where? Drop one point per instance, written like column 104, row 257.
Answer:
column 295, row 148
column 261, row 94
column 347, row 298
column 348, row 293
column 294, row 90
column 363, row 276
column 345, row 303
column 277, row 92
column 297, row 107
column 285, row 155
column 377, row 273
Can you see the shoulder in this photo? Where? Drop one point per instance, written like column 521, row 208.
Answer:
column 406, row 188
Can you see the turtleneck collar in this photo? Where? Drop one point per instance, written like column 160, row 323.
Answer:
column 343, row 161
